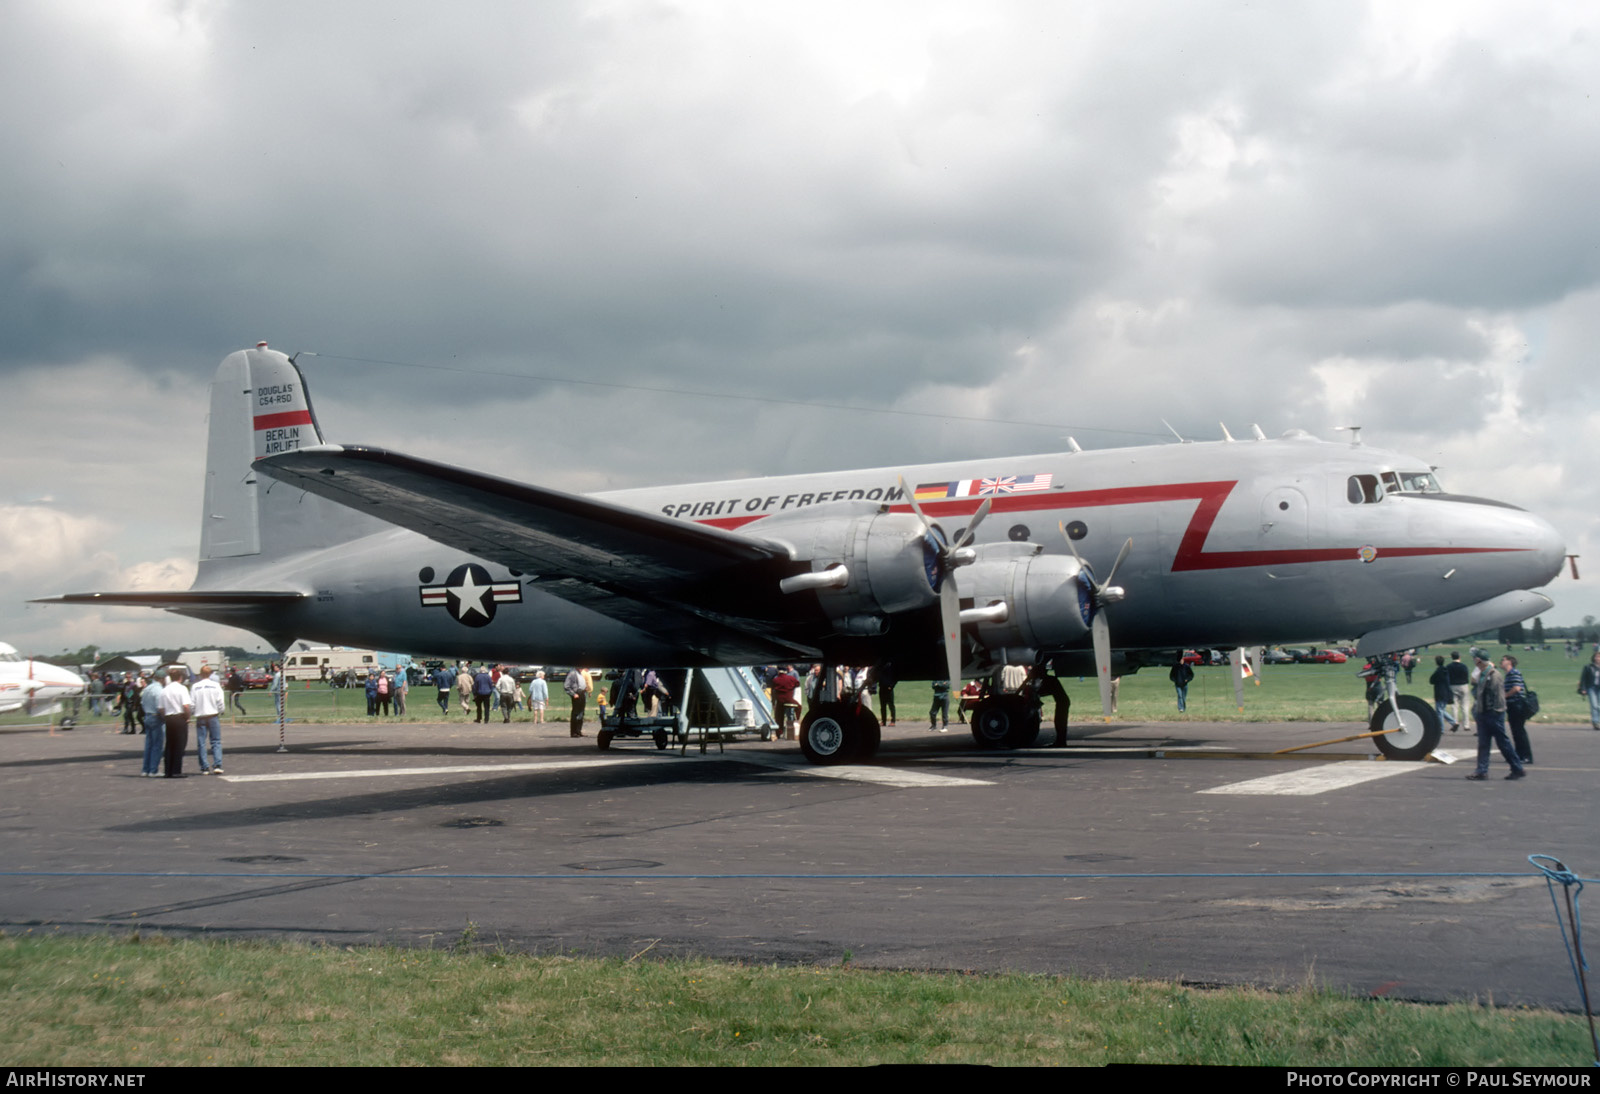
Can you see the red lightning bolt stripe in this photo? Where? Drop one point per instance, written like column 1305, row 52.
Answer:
column 1191, row 554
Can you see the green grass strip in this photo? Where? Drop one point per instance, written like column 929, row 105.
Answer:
column 100, row 1001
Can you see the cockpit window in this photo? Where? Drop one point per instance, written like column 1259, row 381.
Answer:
column 1367, row 489
column 1364, row 490
column 1419, row 482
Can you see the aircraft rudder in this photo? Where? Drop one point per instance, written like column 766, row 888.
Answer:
column 280, row 405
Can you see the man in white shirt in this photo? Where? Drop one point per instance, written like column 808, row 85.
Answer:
column 176, row 705
column 208, row 700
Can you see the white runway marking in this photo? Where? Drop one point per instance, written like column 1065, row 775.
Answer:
column 882, row 776
column 1317, row 780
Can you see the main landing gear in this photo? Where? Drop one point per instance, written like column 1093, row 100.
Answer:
column 1005, row 721
column 839, row 733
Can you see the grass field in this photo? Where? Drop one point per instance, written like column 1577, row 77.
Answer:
column 99, row 1001
column 1286, row 693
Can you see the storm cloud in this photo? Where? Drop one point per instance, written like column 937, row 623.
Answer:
column 1091, row 217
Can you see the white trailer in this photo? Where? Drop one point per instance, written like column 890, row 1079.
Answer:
column 329, row 663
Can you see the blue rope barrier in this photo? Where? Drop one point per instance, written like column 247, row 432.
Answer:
column 1571, row 887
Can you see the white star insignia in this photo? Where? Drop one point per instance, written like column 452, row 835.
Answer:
column 470, row 597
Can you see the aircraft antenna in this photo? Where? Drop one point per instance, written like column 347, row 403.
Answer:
column 1072, row 444
column 1355, row 434
column 1181, row 438
column 1255, row 431
column 1225, row 434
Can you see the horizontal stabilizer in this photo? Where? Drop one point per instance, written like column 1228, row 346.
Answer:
column 181, row 601
column 528, row 528
column 188, row 602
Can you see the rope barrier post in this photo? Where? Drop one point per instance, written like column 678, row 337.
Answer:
column 280, row 689
column 1571, row 886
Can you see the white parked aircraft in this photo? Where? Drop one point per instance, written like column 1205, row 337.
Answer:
column 33, row 686
column 1226, row 544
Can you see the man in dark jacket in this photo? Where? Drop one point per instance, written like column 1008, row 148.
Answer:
column 1589, row 688
column 1460, row 681
column 482, row 692
column 1180, row 676
column 1443, row 696
column 1489, row 707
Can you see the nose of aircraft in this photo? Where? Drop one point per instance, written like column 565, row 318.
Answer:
column 1545, row 549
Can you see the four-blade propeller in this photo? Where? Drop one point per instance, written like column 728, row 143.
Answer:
column 1100, row 594
column 942, row 556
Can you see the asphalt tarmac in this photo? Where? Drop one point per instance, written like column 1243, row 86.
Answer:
column 1140, row 850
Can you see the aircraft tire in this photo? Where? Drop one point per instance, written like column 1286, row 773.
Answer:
column 660, row 738
column 831, row 733
column 1418, row 736
column 871, row 735
column 993, row 722
column 602, row 740
column 1025, row 726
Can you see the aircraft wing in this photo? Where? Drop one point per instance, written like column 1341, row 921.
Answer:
column 658, row 573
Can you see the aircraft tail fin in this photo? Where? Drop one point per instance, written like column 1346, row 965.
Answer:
column 251, row 523
column 260, row 407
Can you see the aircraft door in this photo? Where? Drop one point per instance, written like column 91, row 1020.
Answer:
column 1285, row 518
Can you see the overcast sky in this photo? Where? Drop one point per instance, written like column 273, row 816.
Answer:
column 1090, row 215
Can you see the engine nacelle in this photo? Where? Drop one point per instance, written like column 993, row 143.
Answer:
column 1047, row 606
column 889, row 563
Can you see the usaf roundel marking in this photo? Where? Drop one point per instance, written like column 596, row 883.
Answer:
column 471, row 595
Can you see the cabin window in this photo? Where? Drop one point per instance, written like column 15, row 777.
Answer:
column 1364, row 490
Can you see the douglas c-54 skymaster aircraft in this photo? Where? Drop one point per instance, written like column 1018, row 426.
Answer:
column 1223, row 544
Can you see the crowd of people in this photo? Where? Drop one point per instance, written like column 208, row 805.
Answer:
column 1493, row 693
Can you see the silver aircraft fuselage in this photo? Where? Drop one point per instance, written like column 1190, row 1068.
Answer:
column 1234, row 543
